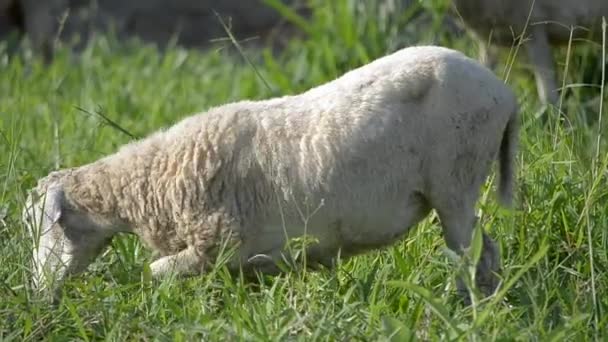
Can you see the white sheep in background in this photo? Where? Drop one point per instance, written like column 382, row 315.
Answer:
column 361, row 159
column 549, row 22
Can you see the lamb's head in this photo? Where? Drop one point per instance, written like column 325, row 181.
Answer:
column 64, row 239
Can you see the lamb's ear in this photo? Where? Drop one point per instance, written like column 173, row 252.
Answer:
column 53, row 205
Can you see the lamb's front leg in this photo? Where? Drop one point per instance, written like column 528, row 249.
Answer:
column 205, row 237
column 185, row 263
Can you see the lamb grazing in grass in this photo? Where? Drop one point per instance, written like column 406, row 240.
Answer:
column 549, row 22
column 354, row 163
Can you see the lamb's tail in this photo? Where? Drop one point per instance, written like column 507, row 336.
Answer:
column 506, row 159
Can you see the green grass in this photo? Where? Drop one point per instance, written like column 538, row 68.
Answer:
column 553, row 243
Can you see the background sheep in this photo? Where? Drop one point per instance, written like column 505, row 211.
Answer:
column 41, row 20
column 545, row 22
column 359, row 160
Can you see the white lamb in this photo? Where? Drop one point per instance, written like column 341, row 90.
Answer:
column 361, row 159
column 549, row 22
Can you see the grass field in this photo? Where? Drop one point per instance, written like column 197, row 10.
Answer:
column 554, row 243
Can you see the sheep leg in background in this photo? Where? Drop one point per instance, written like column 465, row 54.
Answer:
column 458, row 221
column 487, row 55
column 42, row 21
column 539, row 54
column 186, row 262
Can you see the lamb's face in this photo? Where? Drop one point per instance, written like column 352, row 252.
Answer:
column 65, row 240
column 41, row 216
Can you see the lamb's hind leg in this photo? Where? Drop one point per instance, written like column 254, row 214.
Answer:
column 458, row 221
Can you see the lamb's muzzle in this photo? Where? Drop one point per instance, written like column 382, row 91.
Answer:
column 354, row 163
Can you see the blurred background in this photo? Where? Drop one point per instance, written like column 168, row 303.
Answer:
column 187, row 23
